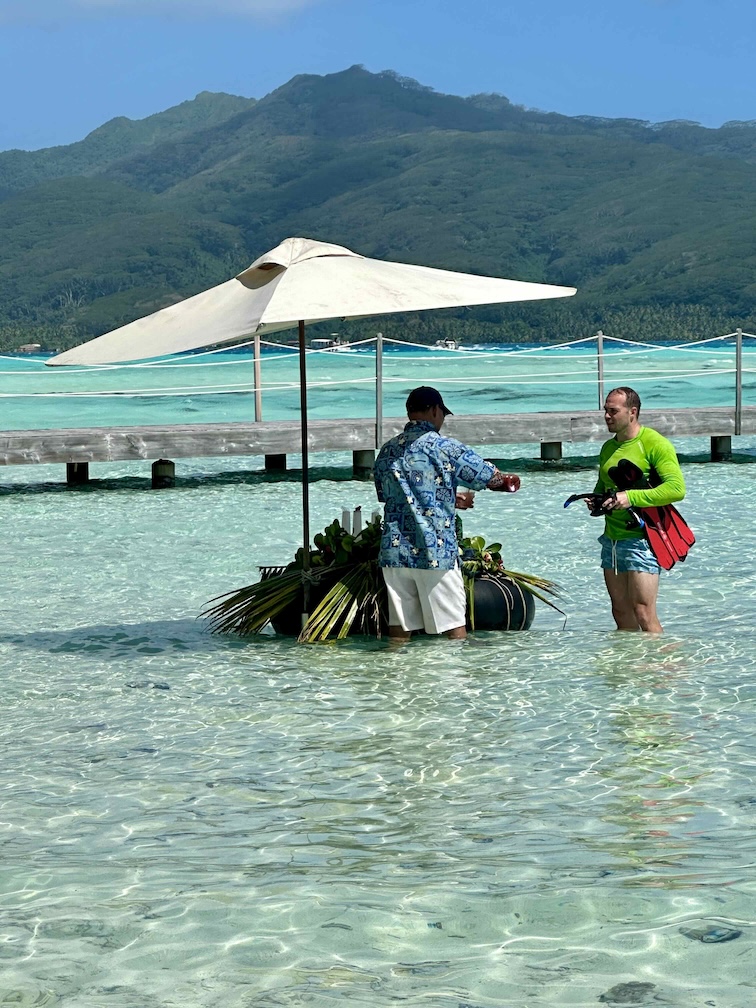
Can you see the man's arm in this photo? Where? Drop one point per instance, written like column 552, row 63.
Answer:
column 378, row 470
column 506, row 482
column 474, row 472
column 671, row 487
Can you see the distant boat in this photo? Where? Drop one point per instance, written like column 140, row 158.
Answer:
column 333, row 342
column 448, row 344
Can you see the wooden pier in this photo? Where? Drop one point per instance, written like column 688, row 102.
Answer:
column 274, row 441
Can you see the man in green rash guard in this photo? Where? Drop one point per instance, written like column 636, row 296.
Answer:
column 631, row 571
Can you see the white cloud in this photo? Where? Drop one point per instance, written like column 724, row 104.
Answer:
column 26, row 11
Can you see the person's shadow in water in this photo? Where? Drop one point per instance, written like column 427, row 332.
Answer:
column 187, row 636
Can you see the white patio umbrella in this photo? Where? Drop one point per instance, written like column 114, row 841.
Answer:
column 297, row 282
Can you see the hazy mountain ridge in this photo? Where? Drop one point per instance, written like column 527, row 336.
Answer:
column 650, row 221
column 114, row 140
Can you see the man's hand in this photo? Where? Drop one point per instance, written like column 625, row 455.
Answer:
column 464, row 500
column 620, row 500
column 599, row 503
column 506, row 482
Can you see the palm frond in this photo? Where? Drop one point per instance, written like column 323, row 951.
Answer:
column 355, row 599
column 355, row 596
column 537, row 586
column 247, row 610
column 532, row 583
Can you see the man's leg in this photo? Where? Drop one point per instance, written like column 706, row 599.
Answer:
column 622, row 609
column 399, row 633
column 643, row 590
column 442, row 596
column 633, row 595
column 458, row 633
column 404, row 611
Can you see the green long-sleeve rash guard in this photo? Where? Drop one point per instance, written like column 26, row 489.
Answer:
column 648, row 449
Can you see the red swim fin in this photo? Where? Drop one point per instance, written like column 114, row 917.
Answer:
column 668, row 534
column 681, row 527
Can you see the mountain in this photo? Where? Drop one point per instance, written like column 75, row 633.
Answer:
column 649, row 221
column 115, row 140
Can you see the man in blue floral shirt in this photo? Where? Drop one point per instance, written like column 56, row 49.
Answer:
column 416, row 476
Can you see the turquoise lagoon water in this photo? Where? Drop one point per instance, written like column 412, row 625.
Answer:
column 529, row 819
column 219, row 387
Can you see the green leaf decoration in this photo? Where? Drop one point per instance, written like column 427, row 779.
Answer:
column 356, row 598
column 247, row 611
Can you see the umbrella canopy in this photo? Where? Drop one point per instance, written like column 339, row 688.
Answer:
column 299, row 281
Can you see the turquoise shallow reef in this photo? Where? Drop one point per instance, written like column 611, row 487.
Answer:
column 218, row 386
column 559, row 817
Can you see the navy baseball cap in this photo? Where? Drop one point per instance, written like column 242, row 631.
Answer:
column 425, row 397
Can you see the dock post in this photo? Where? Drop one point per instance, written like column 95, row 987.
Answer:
column 163, row 474
column 721, row 448
column 362, row 464
column 77, row 473
column 551, row 451
column 738, row 381
column 600, row 367
column 275, row 463
column 258, row 379
column 379, row 390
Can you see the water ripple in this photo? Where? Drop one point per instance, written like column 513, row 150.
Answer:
column 531, row 819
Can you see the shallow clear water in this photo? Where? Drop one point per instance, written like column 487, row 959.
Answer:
column 520, row 819
column 523, row 819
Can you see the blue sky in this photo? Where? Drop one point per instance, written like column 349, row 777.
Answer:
column 67, row 66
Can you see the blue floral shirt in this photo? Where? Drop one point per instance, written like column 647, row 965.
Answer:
column 416, row 476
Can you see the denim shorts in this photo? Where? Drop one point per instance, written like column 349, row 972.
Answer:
column 623, row 555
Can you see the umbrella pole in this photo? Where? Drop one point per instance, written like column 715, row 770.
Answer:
column 305, row 471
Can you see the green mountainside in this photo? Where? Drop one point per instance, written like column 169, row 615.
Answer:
column 650, row 222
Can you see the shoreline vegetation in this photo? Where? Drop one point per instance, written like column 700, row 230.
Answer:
column 647, row 324
column 645, row 220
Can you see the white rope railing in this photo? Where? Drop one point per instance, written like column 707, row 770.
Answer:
column 186, row 360
column 245, row 388
column 613, row 360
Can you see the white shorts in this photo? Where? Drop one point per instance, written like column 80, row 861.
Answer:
column 430, row 600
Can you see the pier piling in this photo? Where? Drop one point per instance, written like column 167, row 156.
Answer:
column 721, row 448
column 77, row 473
column 163, row 474
column 362, row 464
column 275, row 463
column 551, row 451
